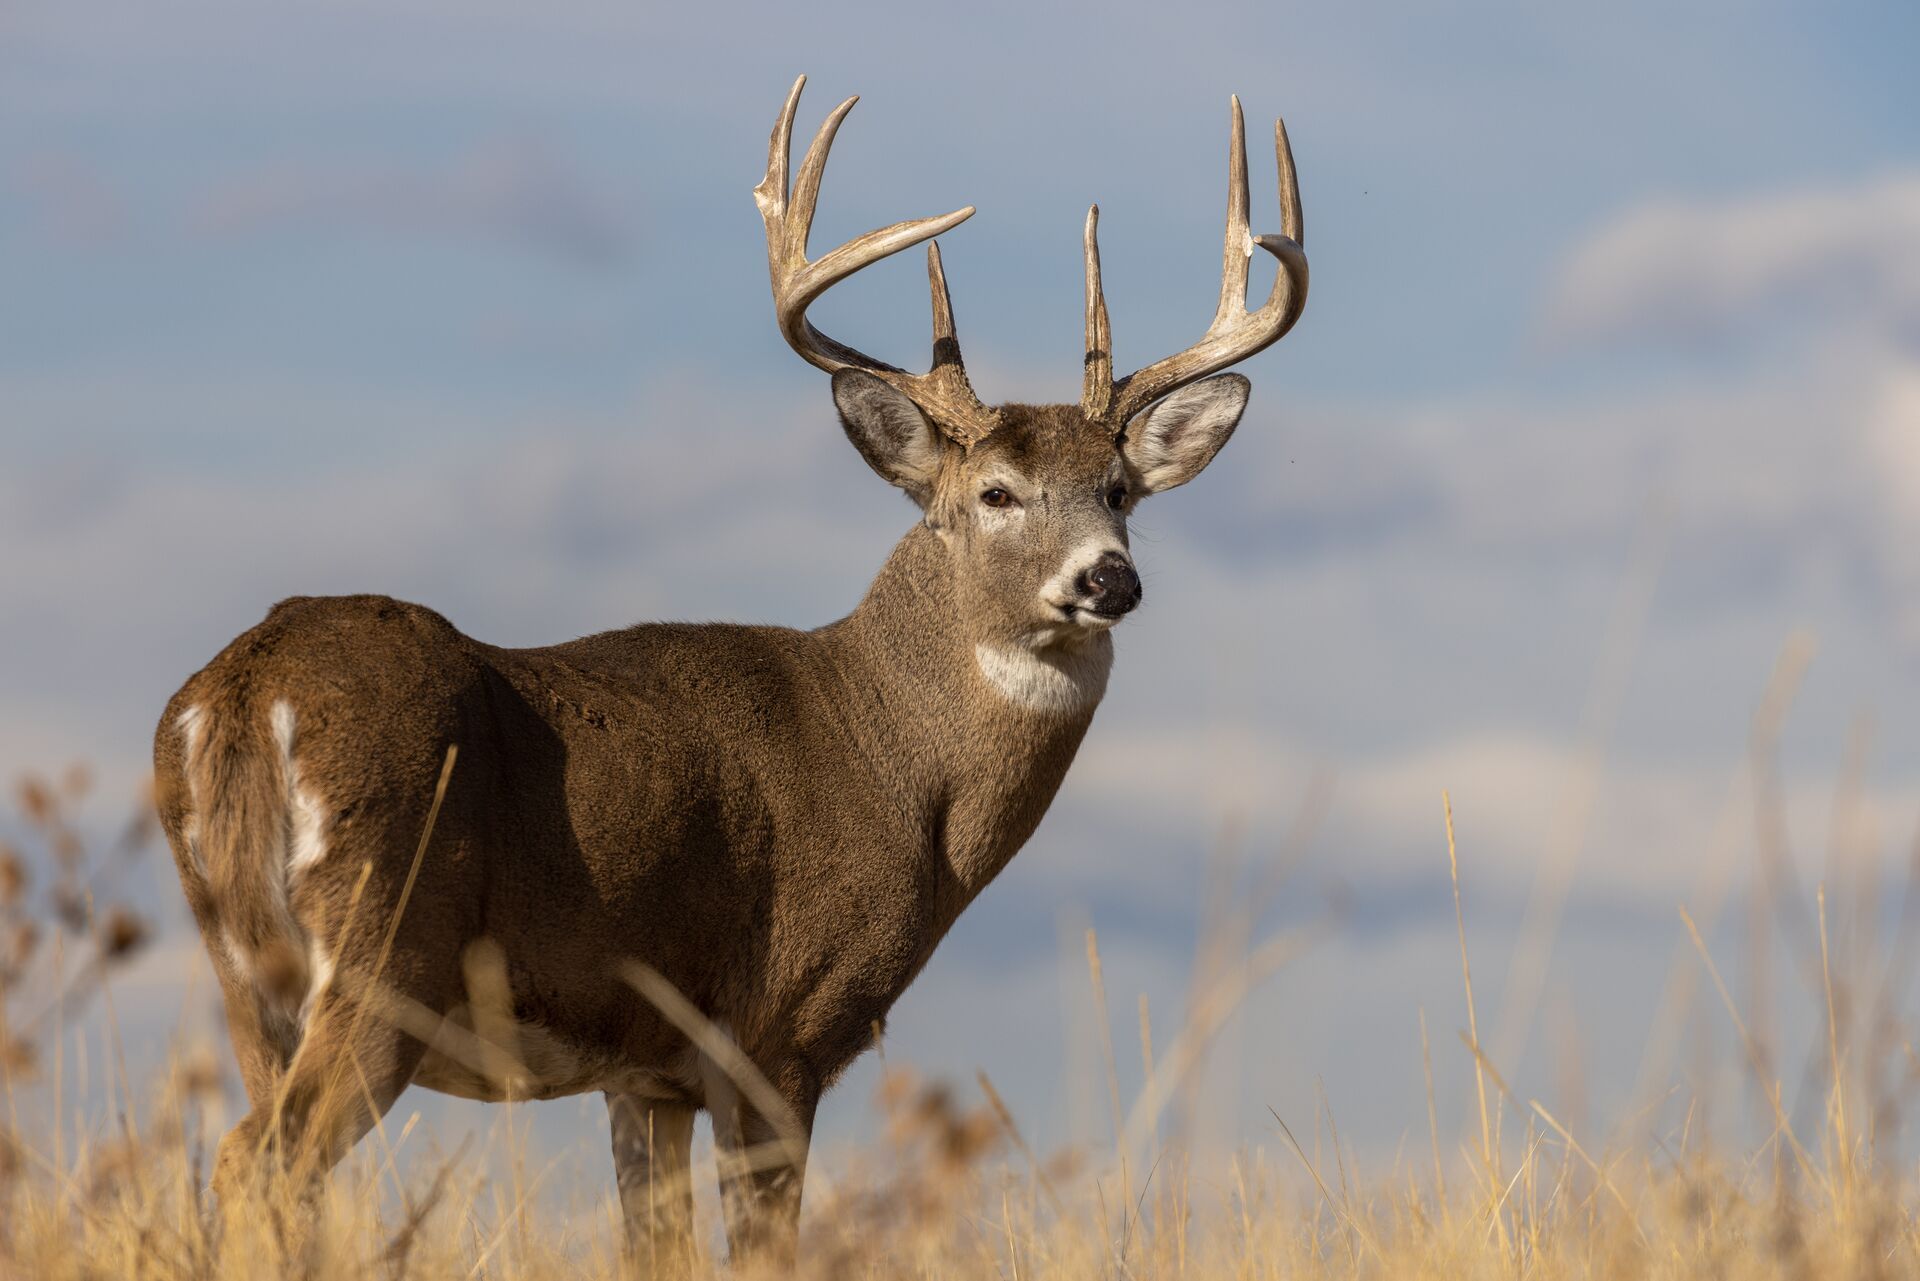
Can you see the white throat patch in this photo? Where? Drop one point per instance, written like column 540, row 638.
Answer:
column 1045, row 683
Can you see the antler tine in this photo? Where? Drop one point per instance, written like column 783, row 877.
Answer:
column 1292, row 224
column 1097, row 384
column 943, row 392
column 771, row 194
column 1239, row 241
column 806, row 187
column 946, row 343
column 1235, row 333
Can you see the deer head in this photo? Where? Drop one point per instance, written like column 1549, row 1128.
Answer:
column 1032, row 501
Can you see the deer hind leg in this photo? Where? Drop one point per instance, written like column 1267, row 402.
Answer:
column 263, row 1038
column 349, row 1066
column 652, row 1162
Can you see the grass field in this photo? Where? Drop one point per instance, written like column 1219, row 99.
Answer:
column 955, row 1190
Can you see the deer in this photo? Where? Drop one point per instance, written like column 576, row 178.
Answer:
column 689, row 866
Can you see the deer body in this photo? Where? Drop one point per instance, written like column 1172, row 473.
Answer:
column 776, row 826
column 656, row 792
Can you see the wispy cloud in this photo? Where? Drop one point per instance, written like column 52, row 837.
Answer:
column 519, row 190
column 74, row 200
column 1811, row 453
column 1847, row 254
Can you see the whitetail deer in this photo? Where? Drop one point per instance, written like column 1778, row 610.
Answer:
column 658, row 832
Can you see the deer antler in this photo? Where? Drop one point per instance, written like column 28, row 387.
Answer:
column 1235, row 333
column 942, row 393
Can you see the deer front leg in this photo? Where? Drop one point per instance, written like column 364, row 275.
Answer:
column 762, row 1167
column 652, row 1162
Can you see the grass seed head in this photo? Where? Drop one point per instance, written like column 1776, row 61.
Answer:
column 121, row 935
column 13, row 877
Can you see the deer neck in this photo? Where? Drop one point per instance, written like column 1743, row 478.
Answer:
column 971, row 734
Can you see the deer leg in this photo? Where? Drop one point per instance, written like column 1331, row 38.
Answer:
column 762, row 1168
column 260, row 1044
column 652, row 1162
column 348, row 1069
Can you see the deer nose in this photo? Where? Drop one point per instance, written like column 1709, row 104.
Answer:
column 1111, row 585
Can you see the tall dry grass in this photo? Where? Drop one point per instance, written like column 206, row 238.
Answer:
column 954, row 1188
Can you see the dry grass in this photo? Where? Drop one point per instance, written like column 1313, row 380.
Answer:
column 955, row 1190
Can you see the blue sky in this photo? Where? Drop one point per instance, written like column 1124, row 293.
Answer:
column 1609, row 384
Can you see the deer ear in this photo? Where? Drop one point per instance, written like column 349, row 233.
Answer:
column 1170, row 443
column 889, row 431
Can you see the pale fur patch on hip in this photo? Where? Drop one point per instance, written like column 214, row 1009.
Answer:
column 306, row 814
column 193, row 729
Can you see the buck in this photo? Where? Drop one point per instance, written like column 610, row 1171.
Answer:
column 689, row 866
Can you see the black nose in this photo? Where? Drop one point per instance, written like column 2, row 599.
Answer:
column 1111, row 585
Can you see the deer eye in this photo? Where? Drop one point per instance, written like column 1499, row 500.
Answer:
column 1117, row 497
column 996, row 498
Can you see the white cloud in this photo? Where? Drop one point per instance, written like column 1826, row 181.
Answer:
column 1808, row 453
column 1677, row 268
column 1894, row 464
column 1519, row 800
